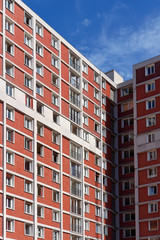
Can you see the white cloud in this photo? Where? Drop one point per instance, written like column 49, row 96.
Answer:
column 126, row 46
column 86, row 22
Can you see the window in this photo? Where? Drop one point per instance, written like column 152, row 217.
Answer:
column 28, row 208
column 129, row 232
column 150, row 137
column 28, row 165
column 86, row 207
column 86, row 154
column 105, row 164
column 103, row 84
column 152, row 190
column 152, row 155
column 28, row 186
column 127, row 122
column 56, row 196
column 105, row 230
column 150, row 121
column 28, row 61
column 126, row 91
column 55, row 80
column 96, row 110
column 103, row 116
column 86, row 189
column 152, row 172
column 39, row 49
column 28, row 101
column 105, row 198
column 96, row 94
column 84, row 67
column 9, row 47
column 28, row 229
column 55, row 137
column 97, row 161
column 86, row 172
column 28, row 19
column 39, row 69
column 9, row 202
column 40, row 211
column 153, row 207
column 85, row 136
column 129, row 217
column 96, row 78
column 9, row 157
column 150, row 104
column 75, row 116
column 40, row 108
column 126, row 106
column 104, row 180
column 28, row 144
column 54, row 42
column 86, row 225
column 55, row 117
column 97, row 177
column 55, row 157
column 150, row 86
column 85, row 120
column 40, row 129
column 98, row 228
column 128, row 185
column 97, row 143
column 10, row 135
column 28, row 123
column 40, row 190
column 40, row 170
column 104, row 132
column 127, row 153
column 104, row 148
column 127, row 137
column 9, row 90
column 153, row 225
column 55, row 176
column 40, row 149
column 56, row 216
column 85, row 85
column 9, row 4
column 128, row 201
column 28, row 82
column 104, row 100
column 127, row 169
column 28, row 40
column 54, row 62
column 40, row 232
column 10, row 225
column 56, row 235
column 10, row 113
column 55, row 100
column 9, row 26
column 85, row 102
column 150, row 69
column 98, row 211
column 97, row 194
column 9, row 180
column 105, row 213
column 39, row 29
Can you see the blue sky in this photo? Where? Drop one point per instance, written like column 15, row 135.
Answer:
column 112, row 34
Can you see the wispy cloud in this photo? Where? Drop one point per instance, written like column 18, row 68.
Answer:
column 86, row 22
column 126, row 46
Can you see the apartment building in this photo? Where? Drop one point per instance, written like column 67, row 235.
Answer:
column 78, row 147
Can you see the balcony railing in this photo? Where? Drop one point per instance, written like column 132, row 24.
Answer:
column 74, row 82
column 74, row 65
column 76, row 191
column 75, row 101
column 75, row 154
column 75, row 173
column 76, row 228
column 76, row 210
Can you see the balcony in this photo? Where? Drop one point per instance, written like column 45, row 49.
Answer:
column 75, row 173
column 74, row 62
column 76, row 228
column 75, row 154
column 76, row 191
column 76, row 210
column 74, row 81
column 75, row 101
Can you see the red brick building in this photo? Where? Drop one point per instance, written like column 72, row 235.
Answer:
column 79, row 148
